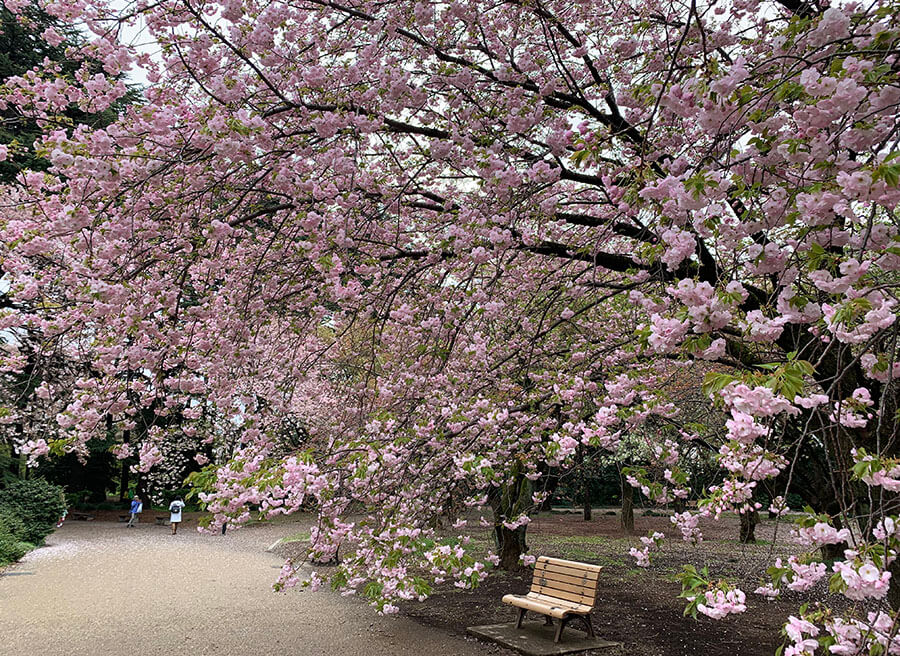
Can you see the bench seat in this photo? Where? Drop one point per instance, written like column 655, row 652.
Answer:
column 557, row 608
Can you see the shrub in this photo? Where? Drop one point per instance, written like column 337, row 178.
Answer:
column 37, row 503
column 795, row 501
column 12, row 533
column 10, row 548
column 11, row 524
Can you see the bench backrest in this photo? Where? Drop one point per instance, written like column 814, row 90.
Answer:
column 566, row 579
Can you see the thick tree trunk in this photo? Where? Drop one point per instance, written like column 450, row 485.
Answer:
column 123, row 480
column 97, row 491
column 509, row 502
column 584, row 477
column 510, row 546
column 749, row 520
column 126, row 470
column 626, row 519
column 140, row 490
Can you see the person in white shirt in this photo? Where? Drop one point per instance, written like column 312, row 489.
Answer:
column 175, row 509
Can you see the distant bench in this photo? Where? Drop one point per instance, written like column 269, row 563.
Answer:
column 161, row 520
column 80, row 516
column 561, row 589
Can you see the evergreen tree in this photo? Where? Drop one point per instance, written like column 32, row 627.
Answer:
column 23, row 48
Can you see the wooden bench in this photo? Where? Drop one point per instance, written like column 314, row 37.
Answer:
column 560, row 589
column 80, row 516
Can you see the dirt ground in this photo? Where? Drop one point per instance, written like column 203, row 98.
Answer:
column 638, row 608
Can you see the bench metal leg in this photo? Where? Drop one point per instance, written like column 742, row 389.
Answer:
column 520, row 618
column 559, row 628
column 590, row 625
column 548, row 621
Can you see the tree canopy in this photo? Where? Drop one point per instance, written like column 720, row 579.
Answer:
column 455, row 241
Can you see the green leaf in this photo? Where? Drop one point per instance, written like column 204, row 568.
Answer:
column 714, row 382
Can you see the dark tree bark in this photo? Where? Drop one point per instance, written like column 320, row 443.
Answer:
column 749, row 520
column 511, row 546
column 626, row 519
column 123, row 480
column 584, row 479
column 507, row 502
column 140, row 490
column 126, row 470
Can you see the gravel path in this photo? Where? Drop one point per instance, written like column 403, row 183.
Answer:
column 98, row 589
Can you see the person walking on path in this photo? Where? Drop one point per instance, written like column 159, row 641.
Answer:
column 136, row 508
column 175, row 509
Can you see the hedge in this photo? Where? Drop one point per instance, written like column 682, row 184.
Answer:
column 37, row 504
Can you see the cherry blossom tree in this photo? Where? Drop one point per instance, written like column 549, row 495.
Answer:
column 459, row 240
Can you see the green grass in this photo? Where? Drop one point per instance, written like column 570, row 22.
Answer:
column 301, row 536
column 594, row 548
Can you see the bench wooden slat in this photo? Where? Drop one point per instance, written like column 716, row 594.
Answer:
column 559, row 562
column 582, row 596
column 550, row 584
column 583, row 582
column 553, row 601
column 576, row 597
column 569, row 575
column 589, row 584
column 549, row 606
column 567, row 571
